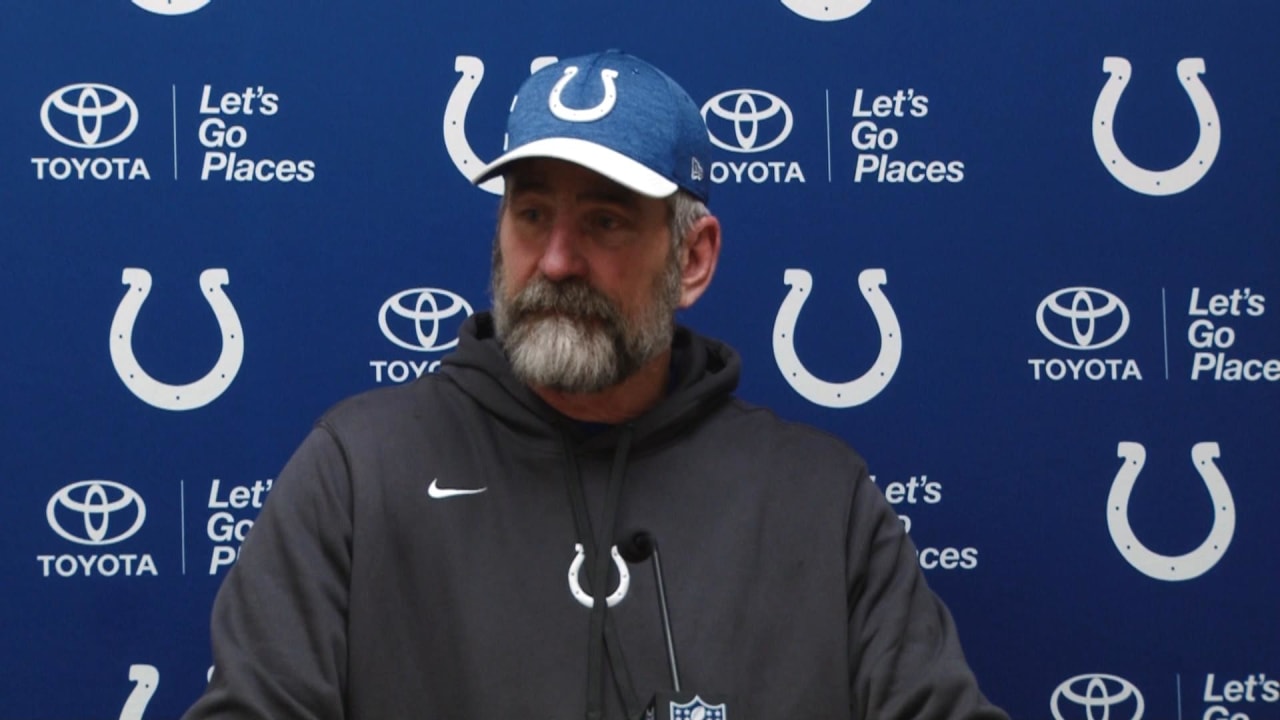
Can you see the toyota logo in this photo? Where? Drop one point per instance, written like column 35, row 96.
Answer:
column 93, row 106
column 424, row 308
column 96, row 512
column 746, row 111
column 1083, row 693
column 171, row 7
column 1082, row 308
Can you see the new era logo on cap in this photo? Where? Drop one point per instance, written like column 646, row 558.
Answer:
column 615, row 114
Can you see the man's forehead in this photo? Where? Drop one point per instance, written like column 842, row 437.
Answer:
column 550, row 174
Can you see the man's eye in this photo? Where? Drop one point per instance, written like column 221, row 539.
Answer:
column 607, row 222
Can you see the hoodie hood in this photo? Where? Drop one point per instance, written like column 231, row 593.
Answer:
column 706, row 372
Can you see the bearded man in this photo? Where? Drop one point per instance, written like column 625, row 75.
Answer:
column 449, row 548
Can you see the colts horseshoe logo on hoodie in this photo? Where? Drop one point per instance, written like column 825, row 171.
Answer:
column 837, row 394
column 177, row 397
column 582, row 596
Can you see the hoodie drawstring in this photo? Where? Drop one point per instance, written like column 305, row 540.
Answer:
column 602, row 634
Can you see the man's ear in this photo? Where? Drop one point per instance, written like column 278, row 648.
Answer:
column 698, row 257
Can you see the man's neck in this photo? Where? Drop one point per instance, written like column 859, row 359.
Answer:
column 619, row 403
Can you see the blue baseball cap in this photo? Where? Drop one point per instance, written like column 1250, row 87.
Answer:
column 615, row 114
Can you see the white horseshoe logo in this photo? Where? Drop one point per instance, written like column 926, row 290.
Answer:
column 560, row 110
column 177, row 397
column 853, row 392
column 624, row 578
column 1165, row 567
column 455, row 118
column 1156, row 182
column 147, row 679
column 826, row 10
column 171, row 7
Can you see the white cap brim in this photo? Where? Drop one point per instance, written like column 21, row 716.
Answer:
column 610, row 163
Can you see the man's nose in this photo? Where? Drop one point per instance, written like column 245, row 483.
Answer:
column 562, row 256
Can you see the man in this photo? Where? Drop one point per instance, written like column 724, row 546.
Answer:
column 449, row 549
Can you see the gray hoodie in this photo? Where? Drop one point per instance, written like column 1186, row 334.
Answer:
column 430, row 551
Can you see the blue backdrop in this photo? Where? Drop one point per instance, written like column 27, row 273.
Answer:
column 1041, row 298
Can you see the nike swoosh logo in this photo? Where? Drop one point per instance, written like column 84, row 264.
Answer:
column 438, row 492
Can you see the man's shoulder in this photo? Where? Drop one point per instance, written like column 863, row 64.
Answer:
column 388, row 409
column 762, row 427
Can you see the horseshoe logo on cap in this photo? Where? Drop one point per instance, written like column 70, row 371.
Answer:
column 826, row 10
column 176, row 397
column 607, row 76
column 1166, row 567
column 1156, row 182
column 575, row 587
column 455, row 118
column 821, row 392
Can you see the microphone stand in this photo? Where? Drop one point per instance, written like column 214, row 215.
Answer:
column 677, row 704
column 666, row 618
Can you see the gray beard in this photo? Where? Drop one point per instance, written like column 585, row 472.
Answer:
column 570, row 338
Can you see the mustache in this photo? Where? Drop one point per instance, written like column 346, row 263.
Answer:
column 572, row 298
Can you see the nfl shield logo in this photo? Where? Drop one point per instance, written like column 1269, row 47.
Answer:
column 696, row 709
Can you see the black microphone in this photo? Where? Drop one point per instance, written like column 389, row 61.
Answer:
column 637, row 547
